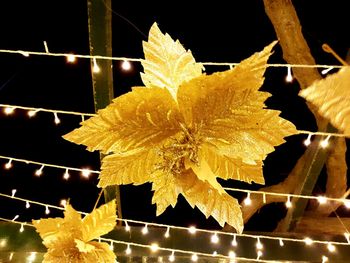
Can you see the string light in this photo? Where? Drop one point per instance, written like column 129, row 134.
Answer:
column 288, row 203
column 154, row 247
column 127, row 227
column 46, row 48
column 307, row 142
column 234, row 240
column 264, row 198
column 231, row 254
column 27, row 53
column 63, row 202
column 326, row 70
column 128, row 250
column 15, row 218
column 31, row 257
column 308, row 241
column 192, row 230
column 167, row 233
column 214, row 238
column 9, row 110
column 126, row 65
column 21, row 228
column 85, row 172
column 194, row 257
column 39, row 171
column 281, row 242
column 259, row 245
column 331, row 247
column 324, row 259
column 259, row 254
column 8, row 165
column 27, row 204
column 71, row 58
column 172, row 257
column 95, row 68
column 13, row 192
column 347, row 203
column 56, row 119
column 324, row 143
column 233, row 243
column 322, row 200
column 32, row 113
column 47, row 210
column 145, row 230
column 289, row 77
column 248, row 201
column 111, row 246
column 66, row 175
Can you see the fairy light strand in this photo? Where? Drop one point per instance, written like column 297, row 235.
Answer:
column 43, row 165
column 171, row 250
column 234, row 235
column 95, row 57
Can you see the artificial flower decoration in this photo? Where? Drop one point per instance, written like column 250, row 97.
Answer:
column 185, row 129
column 69, row 239
column 331, row 96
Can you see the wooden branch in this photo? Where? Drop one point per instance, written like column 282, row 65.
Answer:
column 295, row 49
column 323, row 225
column 336, row 177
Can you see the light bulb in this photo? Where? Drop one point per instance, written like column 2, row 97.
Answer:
column 47, row 210
column 63, row 202
column 32, row 113
column 39, row 171
column 167, row 233
column 248, row 201
column 307, row 142
column 289, row 77
column 192, row 230
column 154, row 247
column 322, row 200
column 234, row 241
column 281, row 242
column 145, row 230
column 259, row 254
column 56, row 120
column 126, row 65
column 214, row 238
column 231, row 254
column 127, row 227
column 194, row 257
column 172, row 257
column 95, row 68
column 66, row 175
column 331, row 247
column 324, row 143
column 71, row 58
column 85, row 173
column 326, row 70
column 13, row 192
column 27, row 204
column 347, row 203
column 288, row 203
column 9, row 110
column 21, row 229
column 308, row 241
column 324, row 259
column 259, row 246
column 128, row 250
column 8, row 165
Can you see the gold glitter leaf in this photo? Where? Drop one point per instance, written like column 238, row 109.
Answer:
column 167, row 64
column 331, row 96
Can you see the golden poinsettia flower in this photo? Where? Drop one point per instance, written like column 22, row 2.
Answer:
column 69, row 239
column 331, row 96
column 185, row 129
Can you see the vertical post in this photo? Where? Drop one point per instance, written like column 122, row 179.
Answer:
column 100, row 39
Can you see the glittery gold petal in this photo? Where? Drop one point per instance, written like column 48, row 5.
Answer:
column 167, row 64
column 331, row 96
column 231, row 168
column 48, row 229
column 223, row 207
column 99, row 222
column 141, row 118
column 132, row 167
column 165, row 190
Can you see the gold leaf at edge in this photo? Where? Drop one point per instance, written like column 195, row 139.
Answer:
column 167, row 64
column 165, row 190
column 139, row 118
column 222, row 207
column 230, row 168
column 331, row 96
column 132, row 167
column 99, row 222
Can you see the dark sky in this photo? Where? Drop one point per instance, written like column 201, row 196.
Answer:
column 222, row 31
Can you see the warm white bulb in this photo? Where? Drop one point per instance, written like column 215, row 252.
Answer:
column 71, row 58
column 13, row 192
column 308, row 241
column 47, row 210
column 167, row 233
column 85, row 173
column 145, row 230
column 127, row 227
column 8, row 165
column 32, row 113
column 324, row 259
column 194, row 257
column 347, row 203
column 154, row 247
column 231, row 254
column 21, row 229
column 324, row 143
column 26, row 54
column 331, row 247
column 126, row 65
column 326, row 70
column 128, row 250
column 63, row 202
column 95, row 68
column 259, row 246
column 39, row 171
column 307, row 142
column 66, row 175
column 31, row 257
column 322, row 200
column 56, row 120
column 260, row 253
column 9, row 110
column 192, row 230
column 234, row 241
column 248, row 201
column 214, row 239
column 281, row 243
column 289, row 77
column 27, row 204
column 172, row 257
column 347, row 237
column 288, row 203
